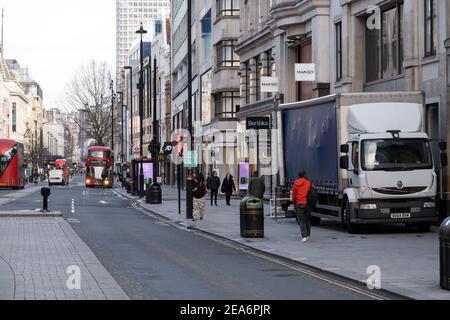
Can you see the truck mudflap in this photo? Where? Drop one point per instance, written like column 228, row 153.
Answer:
column 395, row 211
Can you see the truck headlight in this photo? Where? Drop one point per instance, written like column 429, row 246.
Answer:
column 429, row 205
column 368, row 206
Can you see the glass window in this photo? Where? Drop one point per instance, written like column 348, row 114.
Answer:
column 259, row 73
column 6, row 158
column 206, row 98
column 431, row 30
column 226, row 56
column 355, row 155
column 100, row 154
column 14, row 117
column 396, row 155
column 338, row 51
column 384, row 47
column 225, row 103
column 227, row 7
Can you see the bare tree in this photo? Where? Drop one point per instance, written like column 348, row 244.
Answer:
column 89, row 95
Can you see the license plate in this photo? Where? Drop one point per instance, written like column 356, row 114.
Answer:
column 401, row 216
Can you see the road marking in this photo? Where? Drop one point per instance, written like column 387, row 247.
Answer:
column 292, row 267
column 76, row 221
column 265, row 256
column 73, row 206
column 163, row 224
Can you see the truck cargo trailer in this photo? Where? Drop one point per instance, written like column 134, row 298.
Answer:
column 368, row 156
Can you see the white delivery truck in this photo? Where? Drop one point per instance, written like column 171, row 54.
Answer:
column 368, row 155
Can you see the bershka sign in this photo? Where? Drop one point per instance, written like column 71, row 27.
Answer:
column 305, row 72
column 258, row 123
column 269, row 84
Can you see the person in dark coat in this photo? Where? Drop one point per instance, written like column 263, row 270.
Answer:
column 256, row 186
column 228, row 187
column 214, row 186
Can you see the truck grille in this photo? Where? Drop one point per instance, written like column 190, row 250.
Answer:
column 395, row 191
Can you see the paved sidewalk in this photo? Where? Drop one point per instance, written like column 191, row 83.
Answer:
column 35, row 253
column 409, row 261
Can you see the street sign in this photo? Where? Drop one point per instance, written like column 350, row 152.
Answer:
column 258, row 123
column 168, row 148
column 190, row 159
column 269, row 84
column 305, row 72
column 136, row 149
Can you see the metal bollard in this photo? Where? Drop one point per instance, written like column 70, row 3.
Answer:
column 45, row 193
column 444, row 238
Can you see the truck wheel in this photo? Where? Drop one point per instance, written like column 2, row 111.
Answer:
column 315, row 221
column 348, row 225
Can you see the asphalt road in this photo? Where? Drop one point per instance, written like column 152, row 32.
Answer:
column 153, row 260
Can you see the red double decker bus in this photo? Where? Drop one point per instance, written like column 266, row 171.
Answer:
column 12, row 169
column 99, row 167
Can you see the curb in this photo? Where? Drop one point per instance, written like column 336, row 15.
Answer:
column 269, row 254
column 30, row 214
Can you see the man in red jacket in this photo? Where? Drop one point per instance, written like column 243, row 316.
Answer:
column 300, row 201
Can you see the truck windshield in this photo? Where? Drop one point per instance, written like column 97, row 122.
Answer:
column 396, row 155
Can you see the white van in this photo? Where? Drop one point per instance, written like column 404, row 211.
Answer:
column 56, row 177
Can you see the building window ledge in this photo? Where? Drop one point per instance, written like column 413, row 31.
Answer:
column 375, row 82
column 430, row 59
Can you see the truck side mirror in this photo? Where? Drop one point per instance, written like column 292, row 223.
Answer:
column 443, row 146
column 444, row 160
column 345, row 148
column 344, row 163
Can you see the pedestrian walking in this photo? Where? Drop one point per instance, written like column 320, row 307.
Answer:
column 214, row 186
column 302, row 186
column 257, row 186
column 228, row 187
column 199, row 193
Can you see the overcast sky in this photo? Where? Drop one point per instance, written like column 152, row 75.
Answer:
column 55, row 37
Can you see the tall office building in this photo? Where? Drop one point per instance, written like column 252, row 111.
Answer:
column 129, row 15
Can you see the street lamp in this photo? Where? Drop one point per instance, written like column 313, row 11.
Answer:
column 155, row 147
column 121, row 135
column 189, row 176
column 141, row 32
column 111, row 86
column 130, row 69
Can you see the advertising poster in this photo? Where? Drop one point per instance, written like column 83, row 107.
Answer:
column 244, row 176
column 148, row 172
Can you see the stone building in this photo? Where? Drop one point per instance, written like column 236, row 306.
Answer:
column 356, row 46
column 215, row 80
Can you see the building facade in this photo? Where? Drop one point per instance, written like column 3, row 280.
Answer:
column 160, row 58
column 356, row 46
column 129, row 15
column 215, row 81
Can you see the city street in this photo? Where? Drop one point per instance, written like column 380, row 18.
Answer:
column 151, row 259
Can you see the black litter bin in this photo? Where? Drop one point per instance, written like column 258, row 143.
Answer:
column 444, row 236
column 153, row 194
column 252, row 218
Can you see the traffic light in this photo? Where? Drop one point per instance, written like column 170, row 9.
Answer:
column 154, row 147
